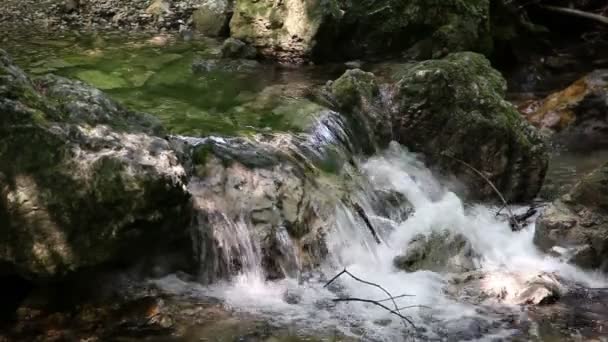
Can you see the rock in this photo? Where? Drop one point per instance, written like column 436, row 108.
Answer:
column 295, row 31
column 159, row 7
column 82, row 180
column 512, row 288
column 450, row 107
column 212, row 18
column 102, row 80
column 222, row 65
column 577, row 113
column 577, row 223
column 283, row 30
column 438, row 252
column 252, row 196
column 234, row 48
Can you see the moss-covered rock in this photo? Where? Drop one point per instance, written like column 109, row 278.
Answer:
column 452, row 108
column 82, row 180
column 212, row 17
column 328, row 29
column 576, row 225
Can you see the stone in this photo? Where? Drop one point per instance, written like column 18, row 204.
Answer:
column 234, row 48
column 225, row 65
column 159, row 7
column 577, row 114
column 102, row 80
column 83, row 181
column 576, row 225
column 296, row 31
column 452, row 110
column 212, row 17
column 443, row 252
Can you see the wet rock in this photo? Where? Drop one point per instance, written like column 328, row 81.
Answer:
column 577, row 113
column 212, row 17
column 295, row 31
column 577, row 223
column 82, row 180
column 224, row 65
column 451, row 108
column 234, row 48
column 439, row 252
column 508, row 287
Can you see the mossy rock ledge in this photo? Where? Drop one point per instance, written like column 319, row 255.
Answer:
column 83, row 181
column 452, row 110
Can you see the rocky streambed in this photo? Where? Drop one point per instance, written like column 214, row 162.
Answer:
column 223, row 214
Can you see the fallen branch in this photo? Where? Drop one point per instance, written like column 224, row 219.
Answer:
column 514, row 224
column 394, row 312
column 577, row 13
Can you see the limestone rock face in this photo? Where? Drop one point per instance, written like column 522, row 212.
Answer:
column 82, row 180
column 212, row 17
column 296, row 30
column 576, row 225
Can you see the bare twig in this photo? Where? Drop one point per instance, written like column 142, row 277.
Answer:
column 394, row 312
column 396, row 297
column 578, row 13
column 514, row 223
column 378, row 303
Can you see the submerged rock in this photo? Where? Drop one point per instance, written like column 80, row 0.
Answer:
column 576, row 225
column 450, row 109
column 577, row 114
column 234, row 48
column 83, row 181
column 438, row 252
column 225, row 65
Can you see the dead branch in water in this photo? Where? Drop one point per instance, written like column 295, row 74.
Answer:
column 395, row 311
column 577, row 13
column 512, row 221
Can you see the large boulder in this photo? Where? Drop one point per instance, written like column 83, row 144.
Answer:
column 578, row 114
column 576, row 225
column 82, row 180
column 212, row 17
column 296, row 30
column 452, row 110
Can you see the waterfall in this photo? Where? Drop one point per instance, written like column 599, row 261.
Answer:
column 392, row 200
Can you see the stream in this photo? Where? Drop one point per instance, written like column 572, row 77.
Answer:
column 483, row 302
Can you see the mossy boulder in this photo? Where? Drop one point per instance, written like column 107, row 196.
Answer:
column 296, row 30
column 83, row 181
column 452, row 110
column 212, row 17
column 576, row 225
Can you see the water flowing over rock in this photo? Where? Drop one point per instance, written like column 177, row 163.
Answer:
column 438, row 252
column 295, row 31
column 82, row 180
column 576, row 225
column 451, row 107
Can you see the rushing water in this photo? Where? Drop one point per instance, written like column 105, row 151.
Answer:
column 506, row 256
column 154, row 76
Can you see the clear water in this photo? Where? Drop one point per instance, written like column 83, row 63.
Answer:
column 154, row 74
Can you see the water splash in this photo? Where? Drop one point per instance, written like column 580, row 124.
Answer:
column 509, row 257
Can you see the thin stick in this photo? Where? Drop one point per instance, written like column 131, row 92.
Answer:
column 377, row 304
column 577, row 13
column 415, row 306
column 397, row 297
column 480, row 174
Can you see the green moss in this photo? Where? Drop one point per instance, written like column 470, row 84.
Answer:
column 102, row 80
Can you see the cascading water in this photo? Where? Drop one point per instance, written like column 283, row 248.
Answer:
column 506, row 259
